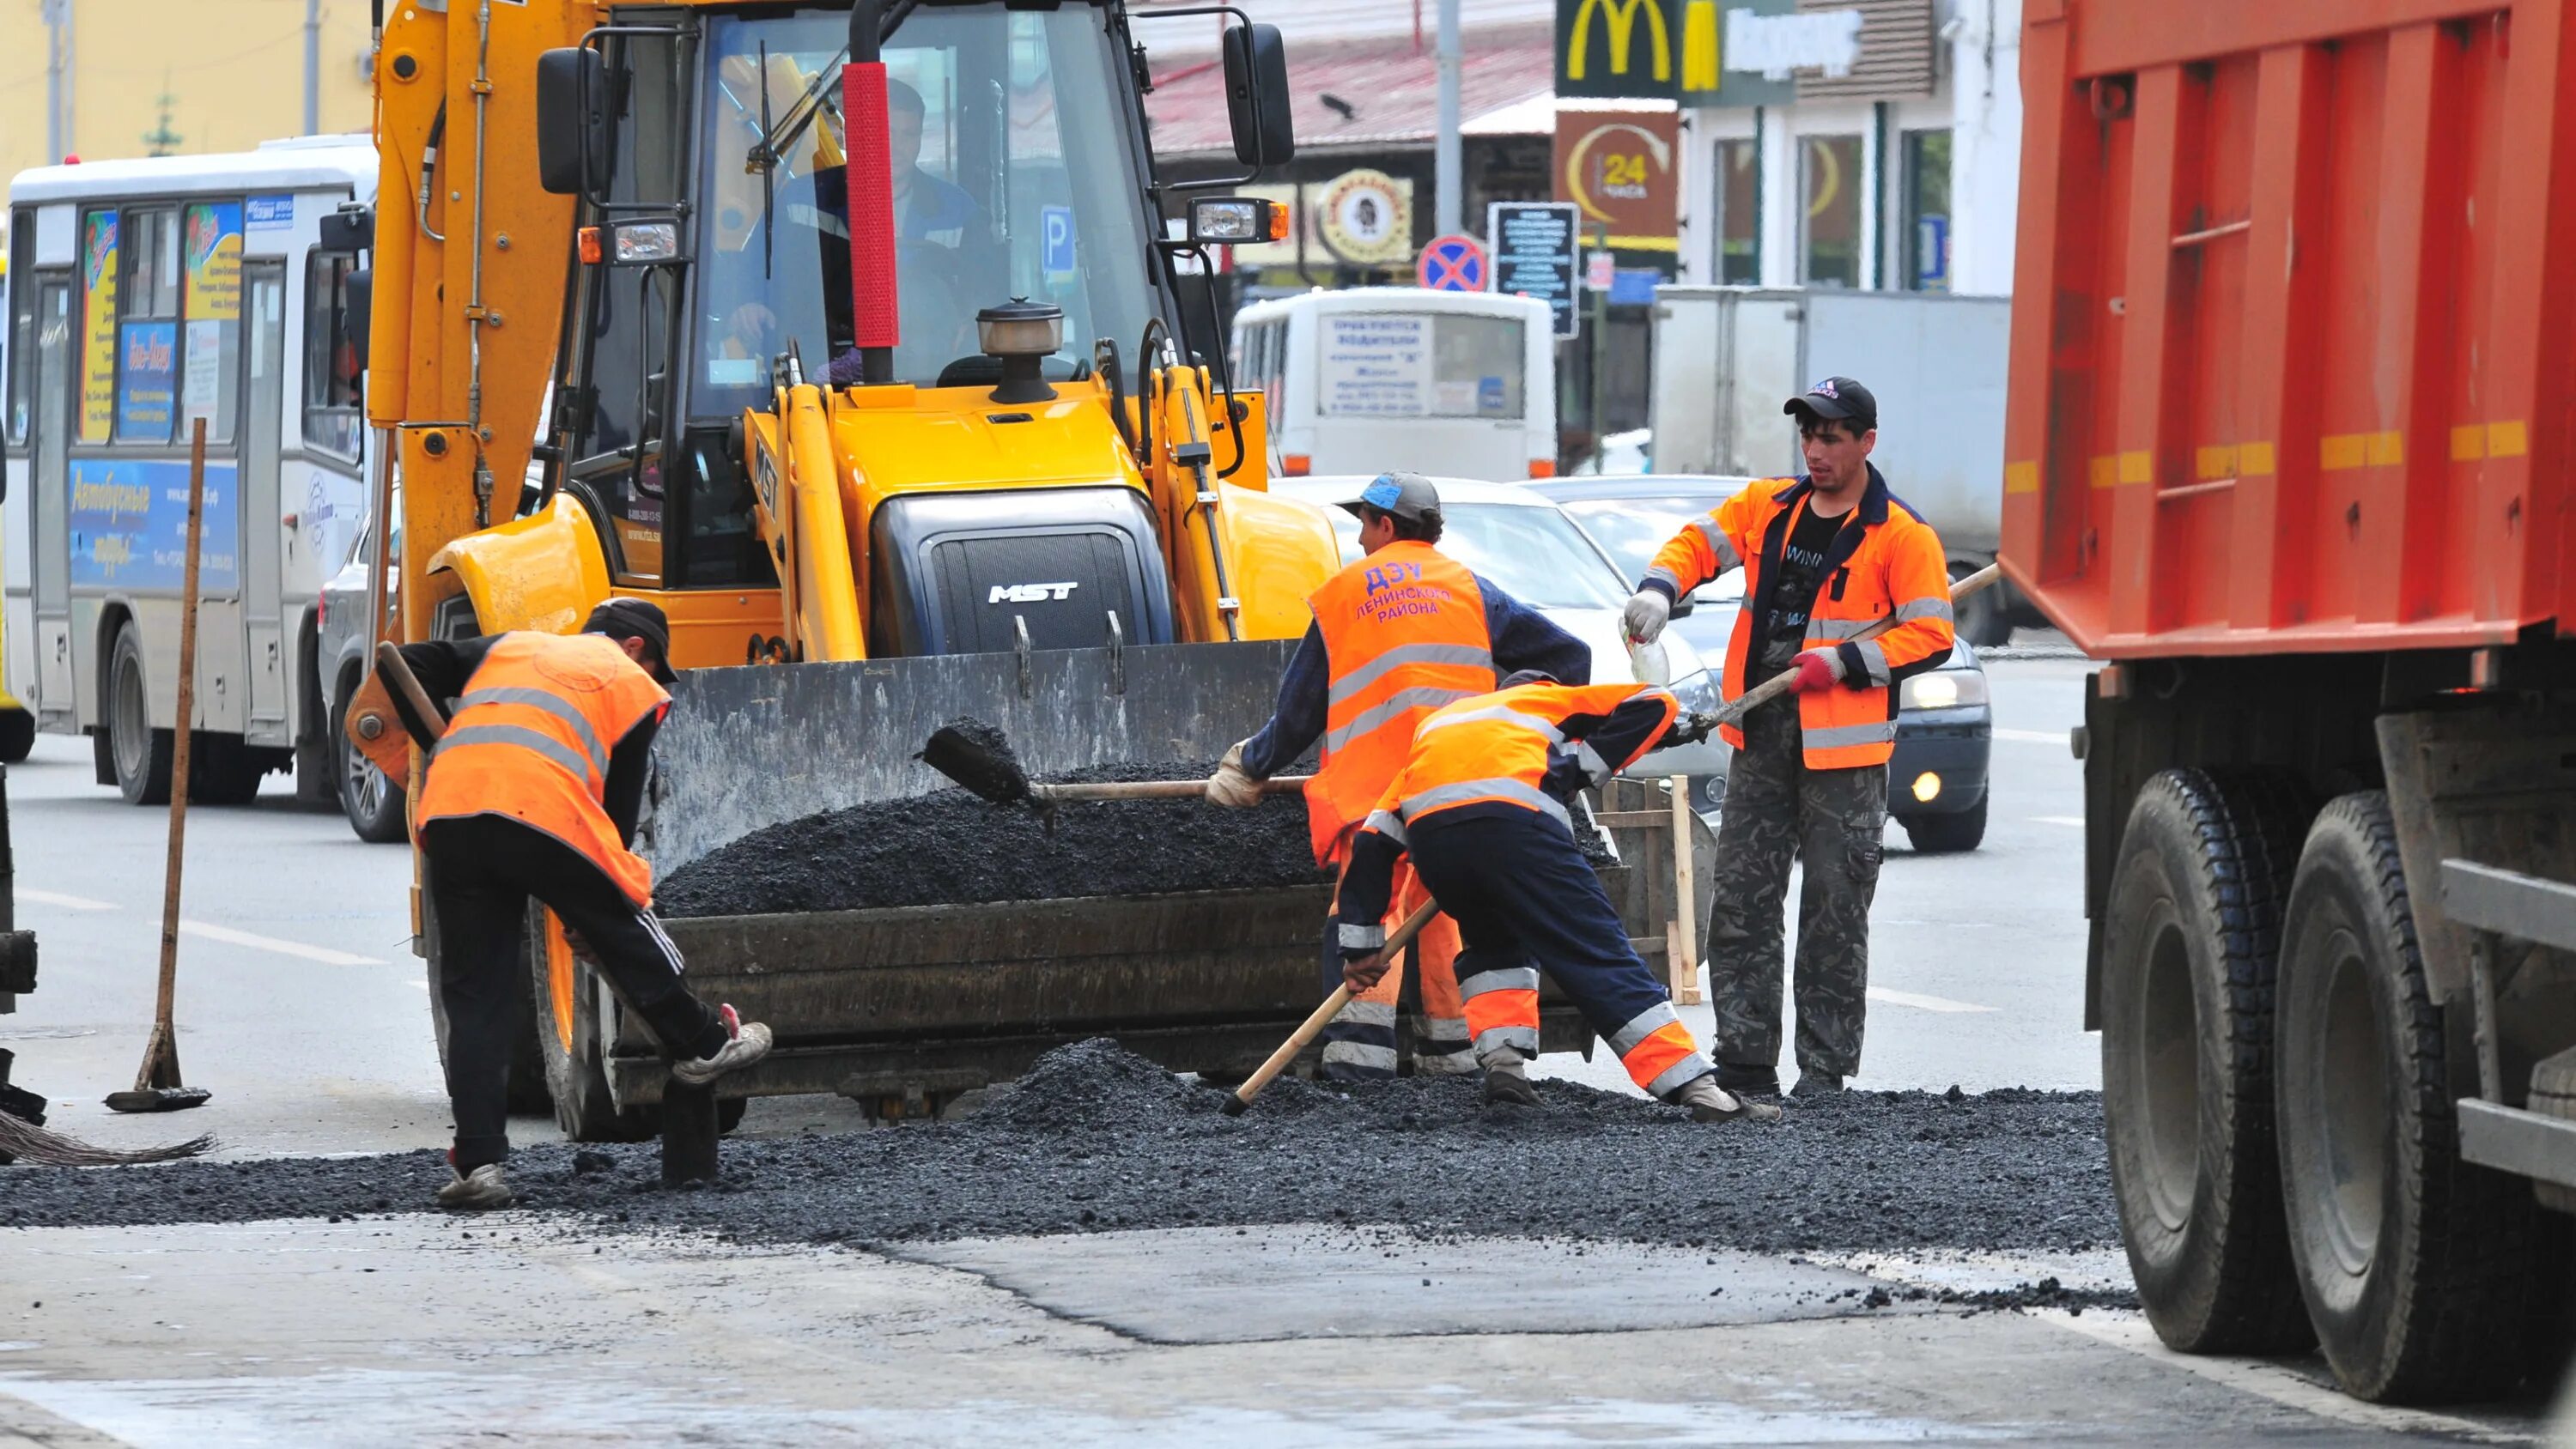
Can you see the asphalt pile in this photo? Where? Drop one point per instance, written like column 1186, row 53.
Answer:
column 951, row 847
column 1096, row 1138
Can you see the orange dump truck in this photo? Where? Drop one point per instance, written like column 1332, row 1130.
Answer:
column 2289, row 442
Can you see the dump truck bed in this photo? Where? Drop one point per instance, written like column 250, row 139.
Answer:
column 2202, row 460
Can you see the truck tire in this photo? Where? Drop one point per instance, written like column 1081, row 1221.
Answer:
column 571, row 1053
column 2189, row 942
column 17, row 735
column 1951, row 834
column 372, row 801
column 139, row 753
column 2417, row 1268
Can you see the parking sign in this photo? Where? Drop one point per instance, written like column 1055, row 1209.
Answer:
column 1055, row 240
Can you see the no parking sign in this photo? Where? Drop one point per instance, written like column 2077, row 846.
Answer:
column 1452, row 264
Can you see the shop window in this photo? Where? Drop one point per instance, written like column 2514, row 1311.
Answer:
column 1832, row 185
column 1926, row 207
column 1739, row 213
column 147, row 332
column 334, row 373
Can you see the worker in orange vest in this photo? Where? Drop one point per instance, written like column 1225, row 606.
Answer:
column 1824, row 556
column 1482, row 808
column 1396, row 635
column 533, row 790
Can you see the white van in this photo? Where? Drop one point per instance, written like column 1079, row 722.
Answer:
column 145, row 294
column 1461, row 384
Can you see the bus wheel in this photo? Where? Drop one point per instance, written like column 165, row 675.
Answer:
column 2188, row 954
column 2415, row 1265
column 140, row 753
column 17, row 735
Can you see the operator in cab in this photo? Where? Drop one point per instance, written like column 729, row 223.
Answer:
column 1397, row 635
column 1483, row 807
column 533, row 790
column 1824, row 556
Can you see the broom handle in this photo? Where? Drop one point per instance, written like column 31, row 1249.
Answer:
column 1158, row 789
column 1323, row 1015
column 182, row 733
column 1778, row 684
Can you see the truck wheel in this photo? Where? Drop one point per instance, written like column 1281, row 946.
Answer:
column 2415, row 1266
column 2189, row 938
column 140, row 753
column 1983, row 619
column 17, row 735
column 1960, row 830
column 222, row 770
column 368, row 797
column 569, row 1046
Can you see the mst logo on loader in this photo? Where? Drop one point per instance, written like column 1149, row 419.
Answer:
column 1031, row 593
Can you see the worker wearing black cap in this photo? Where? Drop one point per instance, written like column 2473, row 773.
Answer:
column 1825, row 556
column 532, row 790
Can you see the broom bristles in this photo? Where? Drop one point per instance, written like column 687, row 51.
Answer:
column 34, row 1146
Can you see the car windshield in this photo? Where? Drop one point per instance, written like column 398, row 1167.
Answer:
column 1015, row 176
column 1536, row 555
column 1633, row 529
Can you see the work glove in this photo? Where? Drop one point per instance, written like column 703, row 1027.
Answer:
column 1648, row 610
column 1688, row 729
column 1231, row 786
column 1817, row 669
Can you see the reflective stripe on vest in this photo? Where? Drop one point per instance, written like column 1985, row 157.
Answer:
column 1500, row 747
column 1404, row 634
column 1498, row 787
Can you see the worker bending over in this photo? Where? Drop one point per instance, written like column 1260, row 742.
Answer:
column 1824, row 557
column 1396, row 635
column 1481, row 807
column 533, row 790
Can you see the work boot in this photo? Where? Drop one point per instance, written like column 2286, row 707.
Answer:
column 746, row 1042
column 476, row 1191
column 1709, row 1102
column 1748, row 1081
column 1817, row 1084
column 1507, row 1082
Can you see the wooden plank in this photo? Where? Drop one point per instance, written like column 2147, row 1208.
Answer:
column 1685, row 961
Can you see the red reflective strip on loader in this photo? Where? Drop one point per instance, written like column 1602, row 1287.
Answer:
column 1658, row 1053
column 874, row 309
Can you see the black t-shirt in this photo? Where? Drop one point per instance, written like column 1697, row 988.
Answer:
column 1793, row 588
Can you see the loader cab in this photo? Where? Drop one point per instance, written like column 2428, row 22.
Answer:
column 715, row 268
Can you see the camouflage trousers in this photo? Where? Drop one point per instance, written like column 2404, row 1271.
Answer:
column 1778, row 811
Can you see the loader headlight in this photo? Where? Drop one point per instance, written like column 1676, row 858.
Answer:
column 1238, row 220
column 643, row 243
column 1944, row 689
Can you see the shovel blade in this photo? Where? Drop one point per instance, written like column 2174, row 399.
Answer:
column 158, row 1099
column 977, row 756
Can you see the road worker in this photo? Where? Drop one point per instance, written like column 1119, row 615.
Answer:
column 1396, row 635
column 1824, row 555
column 533, row 790
column 1482, row 808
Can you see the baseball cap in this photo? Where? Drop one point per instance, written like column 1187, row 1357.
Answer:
column 1839, row 398
column 635, row 619
column 1406, row 495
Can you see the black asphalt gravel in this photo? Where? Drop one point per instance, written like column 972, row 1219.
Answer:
column 1096, row 1138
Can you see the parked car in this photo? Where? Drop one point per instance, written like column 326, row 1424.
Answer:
column 1531, row 550
column 373, row 803
column 1937, row 782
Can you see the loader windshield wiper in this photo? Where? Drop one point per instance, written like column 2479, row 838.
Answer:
column 782, row 134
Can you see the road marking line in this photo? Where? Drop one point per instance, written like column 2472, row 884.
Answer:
column 2281, row 1385
column 2033, row 737
column 229, row 936
column 57, row 898
column 1923, row 1003
column 2075, row 820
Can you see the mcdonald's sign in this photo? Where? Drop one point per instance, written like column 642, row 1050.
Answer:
column 1663, row 50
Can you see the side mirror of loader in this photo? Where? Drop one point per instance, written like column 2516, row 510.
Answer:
column 574, row 136
column 1256, row 96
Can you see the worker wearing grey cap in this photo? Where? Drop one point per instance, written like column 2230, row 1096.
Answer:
column 1398, row 634
column 1825, row 556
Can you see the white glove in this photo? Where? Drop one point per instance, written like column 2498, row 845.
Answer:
column 1646, row 614
column 1230, row 786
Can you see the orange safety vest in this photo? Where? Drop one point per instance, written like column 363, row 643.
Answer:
column 1885, row 560
column 1497, row 748
column 1404, row 633
column 530, row 741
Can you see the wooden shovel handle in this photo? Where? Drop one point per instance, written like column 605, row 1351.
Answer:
column 1778, row 684
column 389, row 662
column 1157, row 789
column 1314, row 1025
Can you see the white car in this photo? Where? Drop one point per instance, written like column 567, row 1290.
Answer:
column 1530, row 549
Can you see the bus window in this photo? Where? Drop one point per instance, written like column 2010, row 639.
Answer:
column 210, row 385
column 332, row 366
column 147, row 334
column 99, row 272
column 1422, row 365
column 22, row 324
column 1476, row 366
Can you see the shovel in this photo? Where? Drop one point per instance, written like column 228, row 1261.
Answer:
column 975, row 755
column 1313, row 1026
column 157, row 1087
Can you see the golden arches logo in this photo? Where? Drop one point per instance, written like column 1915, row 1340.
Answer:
column 1621, row 16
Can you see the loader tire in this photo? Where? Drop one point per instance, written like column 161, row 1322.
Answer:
column 2189, row 948
column 572, row 1051
column 2418, row 1269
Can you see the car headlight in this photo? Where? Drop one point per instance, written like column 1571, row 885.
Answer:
column 1944, row 689
column 1697, row 692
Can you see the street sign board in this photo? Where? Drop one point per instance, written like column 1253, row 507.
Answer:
column 1452, row 264
column 1535, row 246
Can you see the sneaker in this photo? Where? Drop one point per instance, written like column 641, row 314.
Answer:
column 476, row 1191
column 748, row 1042
column 1748, row 1081
column 1709, row 1102
column 1817, row 1084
